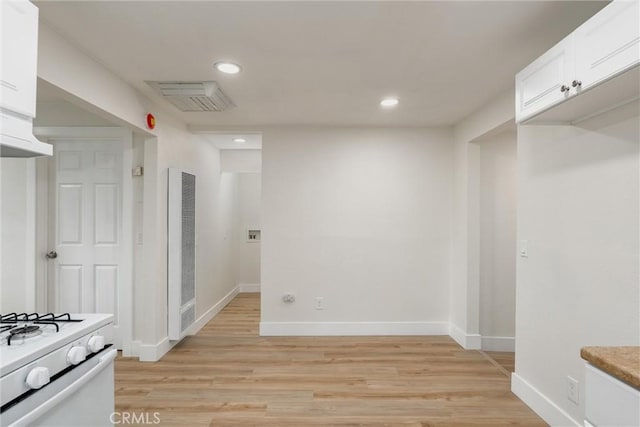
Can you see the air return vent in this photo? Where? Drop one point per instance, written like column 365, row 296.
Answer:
column 193, row 96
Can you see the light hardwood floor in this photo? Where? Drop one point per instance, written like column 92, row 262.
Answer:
column 227, row 375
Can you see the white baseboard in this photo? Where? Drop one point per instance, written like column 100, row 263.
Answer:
column 466, row 341
column 154, row 352
column 211, row 313
column 249, row 287
column 541, row 404
column 352, row 328
column 499, row 343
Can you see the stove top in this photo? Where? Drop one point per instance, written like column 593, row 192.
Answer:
column 26, row 337
column 26, row 325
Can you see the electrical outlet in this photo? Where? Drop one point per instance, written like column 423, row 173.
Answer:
column 319, row 303
column 573, row 390
column 288, row 298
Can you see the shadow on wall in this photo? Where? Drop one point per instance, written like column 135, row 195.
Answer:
column 567, row 147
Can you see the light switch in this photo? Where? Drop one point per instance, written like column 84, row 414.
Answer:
column 524, row 248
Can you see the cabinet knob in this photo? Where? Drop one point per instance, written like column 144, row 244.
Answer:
column 564, row 88
column 576, row 83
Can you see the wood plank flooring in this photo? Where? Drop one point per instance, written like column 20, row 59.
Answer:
column 504, row 359
column 227, row 375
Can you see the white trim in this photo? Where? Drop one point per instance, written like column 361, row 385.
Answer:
column 352, row 328
column 125, row 293
column 42, row 233
column 175, row 305
column 30, row 244
column 466, row 341
column 249, row 287
column 154, row 352
column 541, row 404
column 212, row 312
column 499, row 344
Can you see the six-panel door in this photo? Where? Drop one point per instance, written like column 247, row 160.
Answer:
column 87, row 224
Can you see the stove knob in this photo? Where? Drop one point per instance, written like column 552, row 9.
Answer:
column 38, row 377
column 95, row 344
column 76, row 354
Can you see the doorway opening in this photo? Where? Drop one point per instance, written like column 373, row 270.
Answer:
column 83, row 214
column 497, row 190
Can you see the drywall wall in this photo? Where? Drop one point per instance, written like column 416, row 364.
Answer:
column 465, row 227
column 214, row 218
column 498, row 177
column 170, row 144
column 67, row 68
column 244, row 161
column 17, row 223
column 63, row 113
column 359, row 218
column 247, row 253
column 578, row 196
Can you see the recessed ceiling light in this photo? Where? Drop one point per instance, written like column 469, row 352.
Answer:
column 227, row 67
column 389, row 102
column 239, row 140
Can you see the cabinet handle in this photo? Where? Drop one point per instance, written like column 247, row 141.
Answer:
column 576, row 83
column 564, row 88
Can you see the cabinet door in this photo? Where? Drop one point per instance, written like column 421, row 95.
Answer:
column 607, row 44
column 18, row 68
column 540, row 85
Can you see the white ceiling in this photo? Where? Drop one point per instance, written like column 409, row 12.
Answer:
column 323, row 63
column 224, row 141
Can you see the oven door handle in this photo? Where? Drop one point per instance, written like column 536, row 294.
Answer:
column 103, row 361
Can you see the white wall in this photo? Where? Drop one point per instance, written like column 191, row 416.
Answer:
column 63, row 113
column 578, row 207
column 360, row 218
column 214, row 218
column 245, row 161
column 17, row 223
column 498, row 177
column 169, row 145
column 465, row 249
column 247, row 254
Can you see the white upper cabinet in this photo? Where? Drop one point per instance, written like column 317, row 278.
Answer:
column 608, row 43
column 18, row 80
column 546, row 81
column 18, row 68
column 602, row 54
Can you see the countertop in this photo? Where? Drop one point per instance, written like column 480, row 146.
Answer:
column 620, row 362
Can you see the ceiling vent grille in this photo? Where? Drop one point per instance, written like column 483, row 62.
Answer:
column 194, row 96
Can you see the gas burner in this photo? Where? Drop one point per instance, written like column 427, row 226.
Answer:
column 26, row 331
column 6, row 328
column 35, row 317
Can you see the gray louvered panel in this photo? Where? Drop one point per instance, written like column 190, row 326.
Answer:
column 187, row 318
column 188, row 237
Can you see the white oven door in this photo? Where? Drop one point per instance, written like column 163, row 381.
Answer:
column 82, row 397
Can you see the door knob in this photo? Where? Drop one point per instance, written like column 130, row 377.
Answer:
column 52, row 255
column 576, row 83
column 565, row 88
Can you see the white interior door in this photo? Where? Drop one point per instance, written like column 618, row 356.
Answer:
column 89, row 270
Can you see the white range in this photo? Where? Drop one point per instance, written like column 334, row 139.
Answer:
column 56, row 370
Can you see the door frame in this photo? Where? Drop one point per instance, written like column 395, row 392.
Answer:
column 125, row 291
